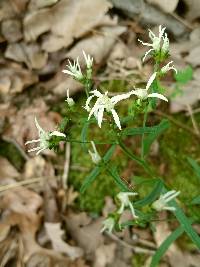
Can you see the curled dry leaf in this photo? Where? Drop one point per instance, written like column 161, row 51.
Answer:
column 11, row 8
column 55, row 234
column 104, row 255
column 84, row 231
column 74, row 14
column 11, row 30
column 14, row 79
column 22, row 127
column 37, row 4
column 30, row 54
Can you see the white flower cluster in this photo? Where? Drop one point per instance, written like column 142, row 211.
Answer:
column 43, row 140
column 161, row 203
column 159, row 43
column 109, row 223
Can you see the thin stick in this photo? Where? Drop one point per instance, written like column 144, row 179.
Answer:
column 196, row 129
column 22, row 183
column 19, row 148
column 66, row 166
column 136, row 249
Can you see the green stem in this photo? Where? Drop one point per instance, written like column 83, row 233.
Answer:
column 87, row 142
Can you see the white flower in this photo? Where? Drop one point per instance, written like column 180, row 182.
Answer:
column 167, row 67
column 88, row 60
column 109, row 224
column 69, row 100
column 44, row 138
column 157, row 42
column 104, row 103
column 125, row 202
column 96, row 158
column 143, row 93
column 74, row 69
column 161, row 203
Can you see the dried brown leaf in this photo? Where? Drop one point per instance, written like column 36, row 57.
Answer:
column 74, row 14
column 55, row 234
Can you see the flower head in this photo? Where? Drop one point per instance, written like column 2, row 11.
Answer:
column 69, row 100
column 143, row 93
column 125, row 202
column 109, row 224
column 161, row 203
column 96, row 158
column 167, row 67
column 159, row 43
column 74, row 69
column 104, row 102
column 44, row 138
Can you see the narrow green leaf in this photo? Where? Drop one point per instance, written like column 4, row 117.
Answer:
column 113, row 172
column 195, row 166
column 95, row 172
column 165, row 245
column 89, row 179
column 196, row 200
column 149, row 139
column 186, row 223
column 152, row 196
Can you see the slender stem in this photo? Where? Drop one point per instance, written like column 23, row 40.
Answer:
column 87, row 142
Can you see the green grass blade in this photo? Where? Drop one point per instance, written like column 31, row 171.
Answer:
column 186, row 223
column 165, row 245
column 151, row 197
column 195, row 166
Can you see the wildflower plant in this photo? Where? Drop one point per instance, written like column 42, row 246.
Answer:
column 101, row 110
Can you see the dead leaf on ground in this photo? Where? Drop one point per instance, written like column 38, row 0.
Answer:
column 7, row 170
column 104, row 255
column 30, row 54
column 66, row 13
column 55, row 234
column 167, row 6
column 14, row 79
column 85, row 231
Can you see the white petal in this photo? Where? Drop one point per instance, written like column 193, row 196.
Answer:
column 147, row 44
column 118, row 98
column 146, row 54
column 88, row 102
column 34, row 149
column 41, row 150
column 169, row 208
column 56, row 133
column 132, row 211
column 38, row 126
column 96, row 93
column 151, row 79
column 100, row 116
column 116, row 118
column 174, row 195
column 158, row 96
column 32, row 141
column 94, row 109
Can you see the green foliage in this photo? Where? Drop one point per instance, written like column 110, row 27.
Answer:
column 184, row 76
